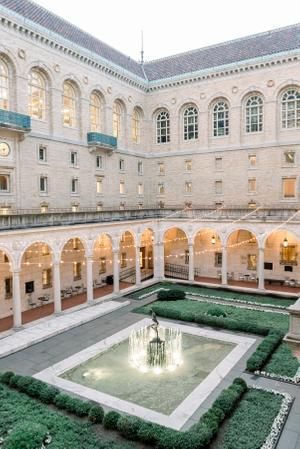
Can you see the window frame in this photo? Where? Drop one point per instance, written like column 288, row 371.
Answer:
column 254, row 119
column 4, row 84
column 37, row 95
column 43, row 179
column 95, row 112
column 220, row 107
column 190, row 123
column 286, row 110
column 284, row 180
column 136, row 126
column 162, row 126
column 69, row 105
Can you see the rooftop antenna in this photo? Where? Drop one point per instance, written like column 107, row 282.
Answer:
column 142, row 50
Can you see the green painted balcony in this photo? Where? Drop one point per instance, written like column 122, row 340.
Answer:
column 99, row 140
column 15, row 121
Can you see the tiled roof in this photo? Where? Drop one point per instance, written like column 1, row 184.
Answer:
column 258, row 45
column 255, row 46
column 56, row 24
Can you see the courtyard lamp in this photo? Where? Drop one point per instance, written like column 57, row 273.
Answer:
column 285, row 242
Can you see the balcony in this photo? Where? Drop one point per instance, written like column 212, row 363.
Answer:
column 15, row 121
column 101, row 141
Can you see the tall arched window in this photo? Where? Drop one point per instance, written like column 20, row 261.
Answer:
column 36, row 95
column 254, row 114
column 190, row 123
column 163, row 127
column 4, row 85
column 69, row 105
column 117, row 118
column 221, row 119
column 136, row 126
column 95, row 112
column 290, row 107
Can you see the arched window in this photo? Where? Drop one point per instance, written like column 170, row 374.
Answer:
column 290, row 107
column 190, row 123
column 254, row 114
column 4, row 85
column 163, row 127
column 136, row 126
column 220, row 119
column 95, row 112
column 117, row 117
column 69, row 105
column 36, row 95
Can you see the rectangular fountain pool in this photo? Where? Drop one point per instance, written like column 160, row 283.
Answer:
column 103, row 374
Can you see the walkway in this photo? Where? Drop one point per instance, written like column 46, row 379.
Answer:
column 250, row 285
column 55, row 325
column 42, row 311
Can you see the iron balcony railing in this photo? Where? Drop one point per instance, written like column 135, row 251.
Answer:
column 101, row 140
column 14, row 120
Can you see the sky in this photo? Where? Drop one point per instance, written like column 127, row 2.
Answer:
column 173, row 26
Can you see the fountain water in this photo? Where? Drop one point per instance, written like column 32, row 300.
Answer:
column 155, row 348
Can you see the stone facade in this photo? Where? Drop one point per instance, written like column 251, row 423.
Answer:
column 240, row 169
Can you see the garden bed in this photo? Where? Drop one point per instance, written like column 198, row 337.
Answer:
column 257, row 421
column 231, row 317
column 218, row 293
column 282, row 365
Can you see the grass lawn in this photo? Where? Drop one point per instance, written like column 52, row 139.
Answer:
column 251, row 422
column 189, row 310
column 224, row 294
column 66, row 433
column 282, row 362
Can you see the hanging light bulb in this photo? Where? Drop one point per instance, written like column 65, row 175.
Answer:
column 213, row 240
column 285, row 242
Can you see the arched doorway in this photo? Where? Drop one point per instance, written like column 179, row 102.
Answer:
column 73, row 273
column 176, row 254
column 146, row 262
column 36, row 282
column 281, row 261
column 208, row 256
column 242, row 258
column 102, row 266
column 127, row 258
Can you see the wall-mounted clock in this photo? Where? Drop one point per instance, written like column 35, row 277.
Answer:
column 4, row 149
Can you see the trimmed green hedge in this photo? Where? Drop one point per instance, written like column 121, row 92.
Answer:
column 236, row 319
column 171, row 295
column 282, row 362
column 264, row 351
column 136, row 429
column 65, row 432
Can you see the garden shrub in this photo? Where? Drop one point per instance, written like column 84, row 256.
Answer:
column 170, row 295
column 110, row 420
column 264, row 351
column 77, row 406
column 61, row 401
column 26, row 435
column 13, row 381
column 178, row 440
column 96, row 414
column 128, row 426
column 5, row 377
column 149, row 433
column 216, row 311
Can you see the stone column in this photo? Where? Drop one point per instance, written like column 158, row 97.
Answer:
column 191, row 262
column 116, row 267
column 56, row 285
column 261, row 259
column 293, row 335
column 89, row 280
column 224, row 265
column 137, row 266
column 158, row 256
column 17, row 307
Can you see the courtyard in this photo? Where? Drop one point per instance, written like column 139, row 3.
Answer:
column 58, row 353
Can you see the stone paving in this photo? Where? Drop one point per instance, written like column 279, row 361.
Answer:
column 42, row 355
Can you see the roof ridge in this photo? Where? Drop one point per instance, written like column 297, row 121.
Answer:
column 220, row 44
